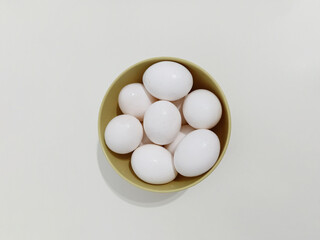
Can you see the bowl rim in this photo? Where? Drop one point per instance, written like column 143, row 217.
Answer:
column 175, row 59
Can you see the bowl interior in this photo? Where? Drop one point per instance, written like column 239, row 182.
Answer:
column 109, row 109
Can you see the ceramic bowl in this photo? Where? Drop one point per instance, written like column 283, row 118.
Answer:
column 109, row 109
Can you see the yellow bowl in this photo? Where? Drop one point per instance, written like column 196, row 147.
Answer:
column 109, row 109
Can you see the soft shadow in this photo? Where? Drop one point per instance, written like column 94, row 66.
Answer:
column 128, row 192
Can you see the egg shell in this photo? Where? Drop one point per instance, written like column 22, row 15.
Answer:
column 134, row 99
column 162, row 122
column 153, row 164
column 202, row 109
column 167, row 80
column 145, row 140
column 197, row 153
column 123, row 134
column 185, row 129
column 179, row 104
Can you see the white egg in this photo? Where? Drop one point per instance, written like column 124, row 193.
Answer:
column 185, row 129
column 202, row 109
column 153, row 164
column 134, row 99
column 179, row 104
column 197, row 153
column 123, row 134
column 145, row 140
column 162, row 122
column 167, row 80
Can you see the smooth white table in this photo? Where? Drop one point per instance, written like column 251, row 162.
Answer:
column 57, row 59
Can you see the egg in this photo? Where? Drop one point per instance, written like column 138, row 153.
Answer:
column 179, row 104
column 134, row 99
column 167, row 80
column 123, row 134
column 202, row 109
column 185, row 129
column 153, row 164
column 197, row 153
column 162, row 122
column 145, row 140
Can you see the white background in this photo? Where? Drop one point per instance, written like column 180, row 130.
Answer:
column 57, row 59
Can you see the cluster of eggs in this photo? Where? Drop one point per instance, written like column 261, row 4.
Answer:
column 165, row 126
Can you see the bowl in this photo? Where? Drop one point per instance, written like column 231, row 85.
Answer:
column 109, row 109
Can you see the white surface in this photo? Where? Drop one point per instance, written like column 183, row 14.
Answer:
column 57, row 59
